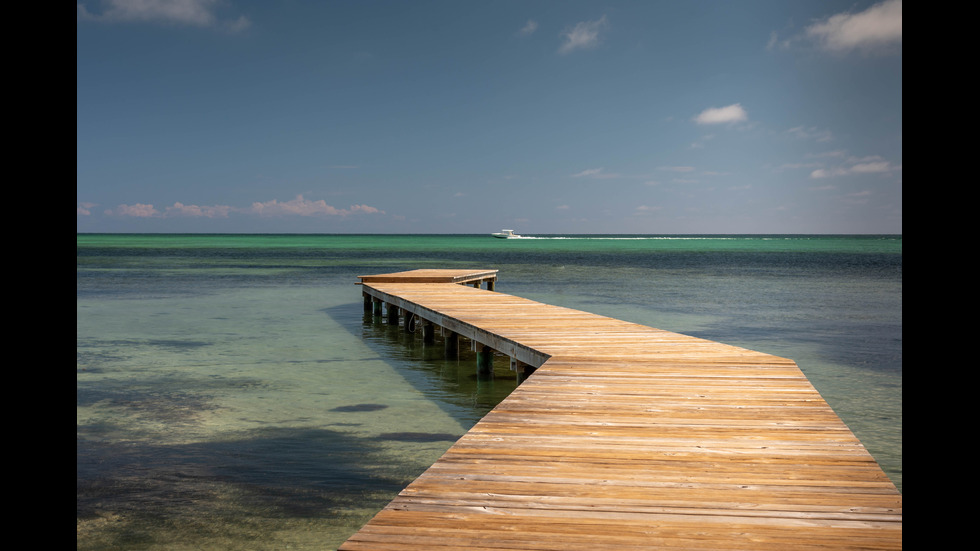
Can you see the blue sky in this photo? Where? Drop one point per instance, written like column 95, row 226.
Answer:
column 316, row 116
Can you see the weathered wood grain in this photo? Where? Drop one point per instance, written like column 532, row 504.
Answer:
column 630, row 437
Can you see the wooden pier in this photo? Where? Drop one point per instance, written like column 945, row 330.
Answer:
column 628, row 437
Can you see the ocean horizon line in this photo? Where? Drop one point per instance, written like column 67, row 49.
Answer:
column 540, row 234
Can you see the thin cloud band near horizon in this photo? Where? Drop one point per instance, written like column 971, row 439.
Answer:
column 299, row 206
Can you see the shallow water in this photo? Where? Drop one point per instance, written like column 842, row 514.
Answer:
column 231, row 393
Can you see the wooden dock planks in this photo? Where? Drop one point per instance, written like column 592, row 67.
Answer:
column 630, row 437
column 434, row 275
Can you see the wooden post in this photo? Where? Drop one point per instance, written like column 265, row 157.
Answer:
column 491, row 283
column 409, row 322
column 392, row 314
column 376, row 306
column 522, row 369
column 484, row 362
column 428, row 332
column 452, row 345
column 526, row 372
column 367, row 302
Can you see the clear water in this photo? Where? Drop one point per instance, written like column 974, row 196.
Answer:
column 231, row 393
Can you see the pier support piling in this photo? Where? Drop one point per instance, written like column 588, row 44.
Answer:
column 484, row 361
column 452, row 345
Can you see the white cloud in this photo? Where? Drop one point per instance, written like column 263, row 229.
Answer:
column 198, row 13
column 587, row 173
column 196, row 211
column 138, row 210
column 364, row 209
column 700, row 143
column 791, row 166
column 583, row 36
column 811, row 133
column 295, row 207
column 865, row 168
column 825, row 173
column 529, row 28
column 720, row 115
column 304, row 207
column 826, row 154
column 878, row 26
column 596, row 173
column 865, row 165
column 857, row 198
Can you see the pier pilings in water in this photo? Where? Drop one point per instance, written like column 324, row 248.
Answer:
column 411, row 320
column 378, row 311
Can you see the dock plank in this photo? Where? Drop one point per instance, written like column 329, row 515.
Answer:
column 632, row 437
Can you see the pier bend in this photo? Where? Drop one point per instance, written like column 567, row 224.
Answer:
column 625, row 437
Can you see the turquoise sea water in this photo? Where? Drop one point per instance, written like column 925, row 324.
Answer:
column 231, row 393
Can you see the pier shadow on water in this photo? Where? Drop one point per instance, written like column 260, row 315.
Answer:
column 451, row 380
column 235, row 494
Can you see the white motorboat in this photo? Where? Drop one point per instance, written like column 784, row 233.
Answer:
column 507, row 234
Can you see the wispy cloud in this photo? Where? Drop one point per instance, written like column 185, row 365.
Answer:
column 137, row 210
column 303, row 207
column 795, row 166
column 596, row 173
column 827, row 154
column 864, row 165
column 646, row 210
column 583, row 36
column 198, row 13
column 84, row 209
column 197, row 211
column 811, row 133
column 699, row 144
column 722, row 115
column 876, row 27
column 857, row 198
column 294, row 207
column 529, row 28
